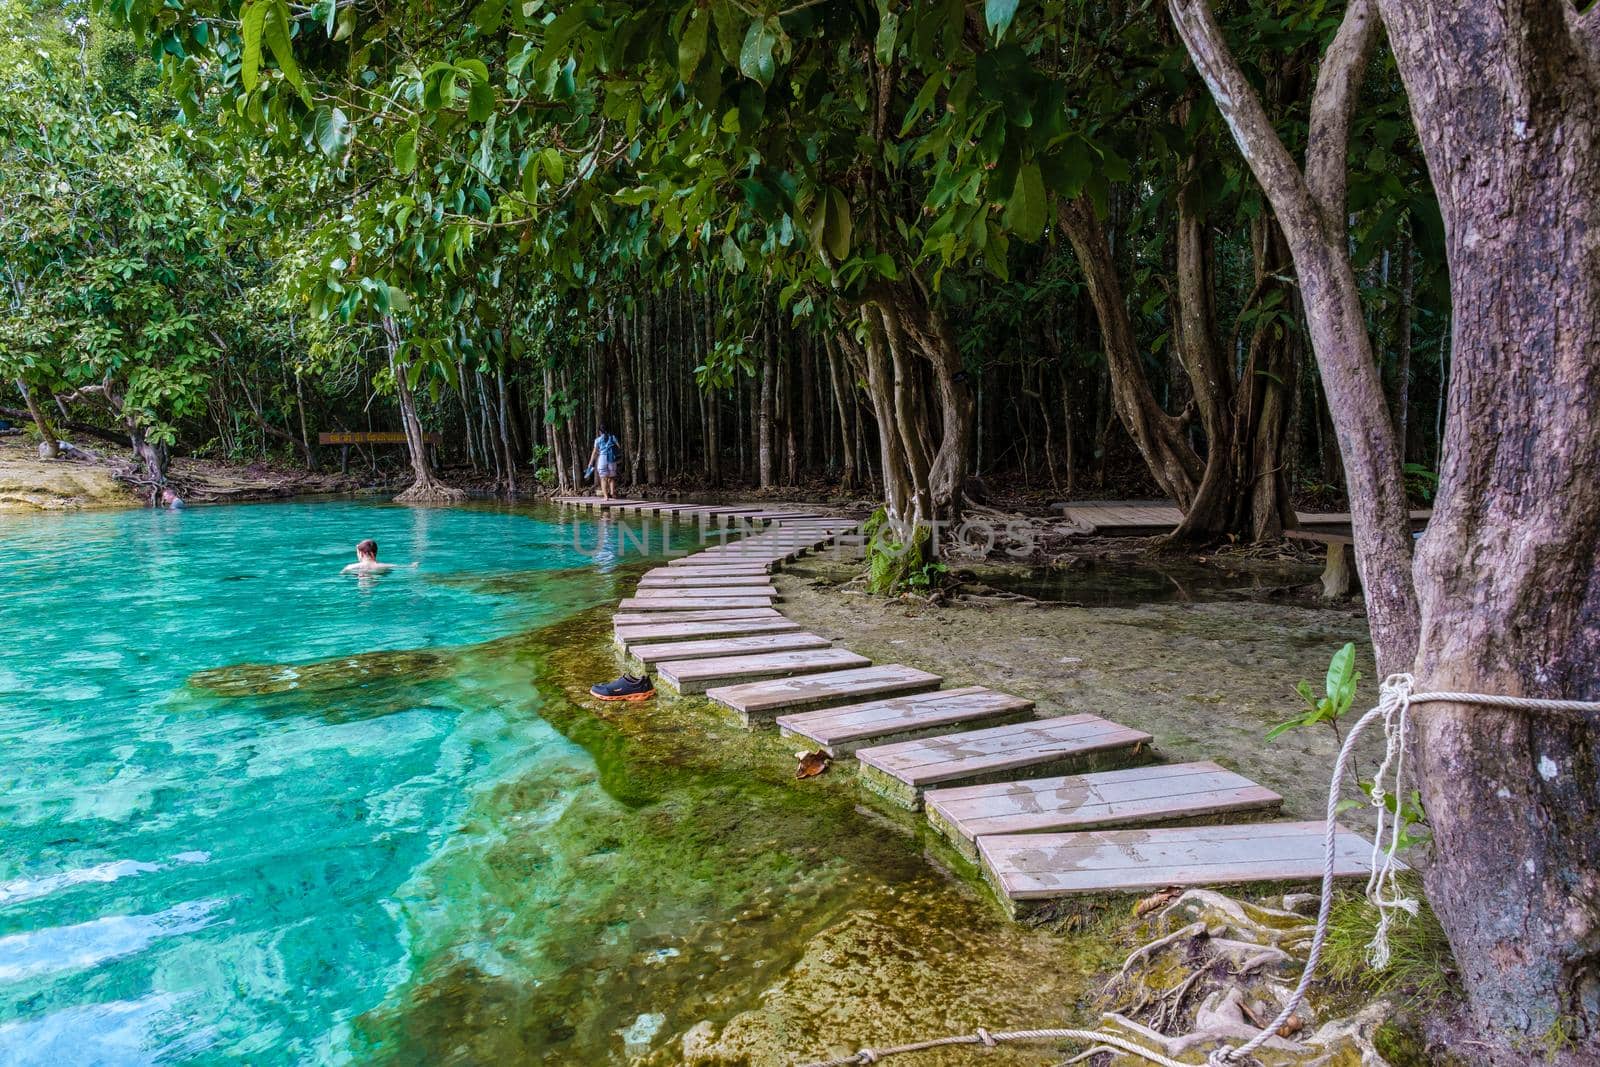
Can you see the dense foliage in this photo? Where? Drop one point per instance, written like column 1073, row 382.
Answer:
column 768, row 242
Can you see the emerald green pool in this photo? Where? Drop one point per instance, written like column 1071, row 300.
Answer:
column 237, row 865
column 255, row 811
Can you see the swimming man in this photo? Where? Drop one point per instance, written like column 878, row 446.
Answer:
column 367, row 560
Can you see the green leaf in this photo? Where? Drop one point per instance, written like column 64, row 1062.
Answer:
column 405, row 152
column 888, row 29
column 755, row 56
column 488, row 15
column 923, row 101
column 530, row 178
column 1025, row 212
column 837, row 227
column 252, row 21
column 726, row 16
column 331, row 128
column 480, row 101
column 998, row 14
column 1341, row 674
column 692, row 46
column 275, row 30
column 555, row 167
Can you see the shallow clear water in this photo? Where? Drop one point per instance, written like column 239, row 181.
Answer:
column 1119, row 584
column 238, row 865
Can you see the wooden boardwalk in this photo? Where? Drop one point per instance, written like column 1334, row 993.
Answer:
column 1146, row 518
column 1028, row 868
column 1052, row 804
column 903, row 772
column 1140, row 796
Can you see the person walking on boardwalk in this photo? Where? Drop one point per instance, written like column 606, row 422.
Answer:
column 603, row 461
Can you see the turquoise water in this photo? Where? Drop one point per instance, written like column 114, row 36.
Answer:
column 236, row 866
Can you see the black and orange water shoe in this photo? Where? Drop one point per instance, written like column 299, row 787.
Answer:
column 628, row 687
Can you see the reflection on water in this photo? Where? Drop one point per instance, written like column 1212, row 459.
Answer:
column 1117, row 584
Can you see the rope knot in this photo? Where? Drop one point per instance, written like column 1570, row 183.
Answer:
column 983, row 1035
column 1226, row 1056
column 867, row 1055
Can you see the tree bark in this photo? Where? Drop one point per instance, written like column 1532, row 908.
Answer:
column 1310, row 207
column 764, row 415
column 1506, row 100
column 1160, row 437
column 426, row 488
column 510, row 483
column 847, row 447
column 50, row 447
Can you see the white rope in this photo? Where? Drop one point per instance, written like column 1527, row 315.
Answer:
column 1395, row 698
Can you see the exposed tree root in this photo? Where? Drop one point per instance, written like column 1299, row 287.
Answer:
column 430, row 493
column 1215, row 969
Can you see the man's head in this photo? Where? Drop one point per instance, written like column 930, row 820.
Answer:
column 367, row 550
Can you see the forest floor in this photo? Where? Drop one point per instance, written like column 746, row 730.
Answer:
column 1202, row 652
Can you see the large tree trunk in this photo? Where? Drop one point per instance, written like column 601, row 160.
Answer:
column 153, row 454
column 1160, row 437
column 1506, row 99
column 425, row 488
column 1310, row 207
column 1210, row 513
column 913, row 325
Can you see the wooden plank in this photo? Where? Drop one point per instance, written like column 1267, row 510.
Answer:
column 670, row 580
column 841, row 731
column 902, row 772
column 1138, row 796
column 650, row 652
column 698, row 675
column 663, row 592
column 1032, row 867
column 758, row 702
column 644, row 634
column 640, row 618
column 692, row 603
column 711, row 570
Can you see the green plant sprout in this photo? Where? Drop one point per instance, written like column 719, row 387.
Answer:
column 1339, row 694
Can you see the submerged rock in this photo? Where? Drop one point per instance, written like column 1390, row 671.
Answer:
column 262, row 679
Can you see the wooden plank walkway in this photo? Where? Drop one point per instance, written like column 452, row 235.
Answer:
column 668, row 578
column 1027, row 868
column 636, row 618
column 760, row 702
column 663, row 592
column 1140, row 796
column 693, row 603
column 1137, row 518
column 698, row 675
column 841, row 731
column 639, row 636
column 902, row 772
column 1029, row 798
column 721, row 648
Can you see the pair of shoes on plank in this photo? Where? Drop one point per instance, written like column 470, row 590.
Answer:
column 628, row 687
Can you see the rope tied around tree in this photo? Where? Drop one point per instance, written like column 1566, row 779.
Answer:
column 1395, row 699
